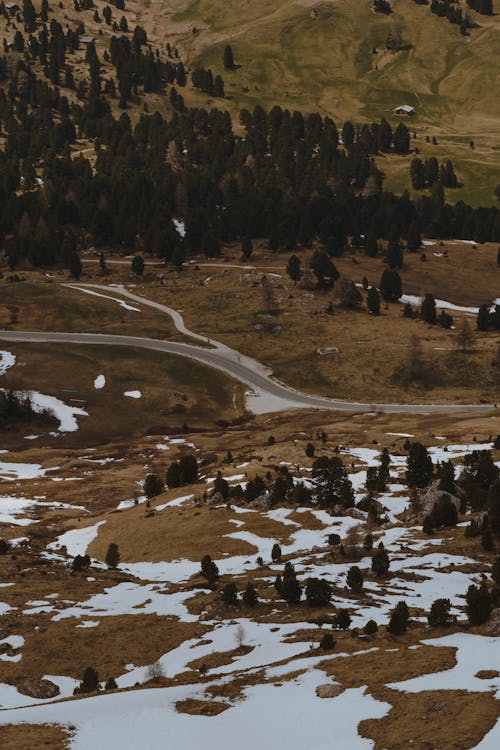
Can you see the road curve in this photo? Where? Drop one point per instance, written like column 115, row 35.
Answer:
column 263, row 384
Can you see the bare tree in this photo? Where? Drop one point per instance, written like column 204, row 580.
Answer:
column 155, row 672
column 465, row 336
column 268, row 294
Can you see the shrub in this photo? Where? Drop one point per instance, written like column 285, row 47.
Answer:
column 354, row 578
column 400, row 617
column 4, row 547
column 90, row 681
column 371, row 627
column 80, row 562
column 153, row 486
column 318, row 592
column 380, row 562
column 439, row 614
column 230, row 594
column 276, row 553
column 209, row 570
column 343, row 619
column 250, row 597
column 327, row 642
column 110, row 684
column 479, row 604
column 309, row 450
column 290, row 589
column 113, row 556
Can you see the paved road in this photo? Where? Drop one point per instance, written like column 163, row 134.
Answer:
column 261, row 383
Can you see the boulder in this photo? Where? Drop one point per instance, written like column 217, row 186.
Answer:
column 41, row 689
column 328, row 690
column 493, row 624
column 430, row 496
column 263, row 502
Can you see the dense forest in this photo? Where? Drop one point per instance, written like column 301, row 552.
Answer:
column 289, row 178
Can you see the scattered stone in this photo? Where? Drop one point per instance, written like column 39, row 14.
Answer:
column 328, row 691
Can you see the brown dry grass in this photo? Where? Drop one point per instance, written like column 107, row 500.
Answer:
column 33, row 737
column 451, row 720
column 201, row 708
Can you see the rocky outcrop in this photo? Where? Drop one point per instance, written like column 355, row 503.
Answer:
column 431, row 495
column 493, row 624
column 41, row 689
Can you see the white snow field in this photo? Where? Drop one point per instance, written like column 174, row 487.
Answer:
column 7, row 360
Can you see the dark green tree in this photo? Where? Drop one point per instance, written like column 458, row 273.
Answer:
column 228, row 58
column 153, row 486
column 354, row 579
column 439, row 615
column 318, row 592
column 294, row 268
column 418, row 466
column 380, row 562
column 249, row 596
column 112, row 558
column 137, row 265
column 373, row 301
column 230, row 594
column 479, row 604
column 400, row 616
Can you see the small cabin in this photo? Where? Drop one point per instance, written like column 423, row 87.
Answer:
column 404, row 111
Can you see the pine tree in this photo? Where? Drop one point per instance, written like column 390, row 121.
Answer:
column 230, row 594
column 483, row 318
column 250, row 597
column 390, row 285
column 294, row 268
column 75, row 266
column 428, row 309
column 112, row 558
column 370, row 246
column 493, row 506
column 137, row 265
column 413, row 239
column 90, row 681
column 419, row 466
column 439, row 615
column 479, row 604
column 354, row 579
column 398, row 624
column 290, row 589
column 318, row 592
column 153, row 486
column 246, row 248
column 276, row 553
column 209, row 570
column 380, row 562
column 373, row 301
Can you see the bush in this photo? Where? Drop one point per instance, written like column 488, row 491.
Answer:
column 439, row 615
column 276, row 553
column 479, row 604
column 371, row 627
column 209, row 570
column 318, row 592
column 153, row 486
column 354, row 578
column 327, row 642
column 290, row 588
column 400, row 617
column 90, row 681
column 110, row 684
column 113, row 556
column 343, row 619
column 334, row 540
column 81, row 562
column 380, row 562
column 230, row 593
column 4, row 547
column 310, row 450
column 250, row 597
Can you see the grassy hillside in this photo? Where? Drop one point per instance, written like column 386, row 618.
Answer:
column 332, row 57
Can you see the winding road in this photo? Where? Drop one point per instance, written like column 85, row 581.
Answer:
column 267, row 394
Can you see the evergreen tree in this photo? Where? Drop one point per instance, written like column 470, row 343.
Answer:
column 90, row 681
column 439, row 615
column 483, row 318
column 230, row 594
column 380, row 562
column 293, row 268
column 249, row 595
column 479, row 604
column 373, row 301
column 210, row 571
column 137, row 265
column 110, row 684
column 354, row 579
column 318, row 592
column 370, row 246
column 390, row 285
column 112, row 558
column 419, row 466
column 290, row 589
column 348, row 134
column 428, row 309
column 400, row 616
column 276, row 553
column 413, row 239
column 246, row 248
column 493, row 506
column 75, row 266
column 153, row 486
